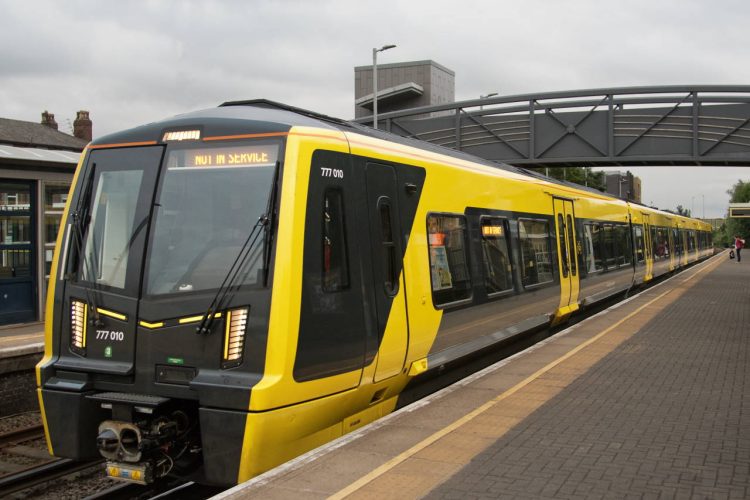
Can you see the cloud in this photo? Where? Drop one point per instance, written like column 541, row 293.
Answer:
column 134, row 62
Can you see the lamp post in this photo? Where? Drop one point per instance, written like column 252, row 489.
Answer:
column 375, row 82
column 481, row 106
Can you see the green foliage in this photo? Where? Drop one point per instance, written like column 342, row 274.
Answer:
column 584, row 176
column 682, row 211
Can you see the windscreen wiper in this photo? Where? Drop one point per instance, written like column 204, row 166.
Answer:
column 226, row 290
column 81, row 218
column 230, row 280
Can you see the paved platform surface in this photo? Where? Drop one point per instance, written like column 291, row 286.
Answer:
column 649, row 399
column 20, row 340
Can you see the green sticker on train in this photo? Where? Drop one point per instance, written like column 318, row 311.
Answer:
column 108, row 352
column 175, row 361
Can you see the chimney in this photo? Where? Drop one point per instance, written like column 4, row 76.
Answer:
column 48, row 119
column 82, row 127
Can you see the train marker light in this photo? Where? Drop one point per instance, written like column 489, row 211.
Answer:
column 78, row 316
column 182, row 135
column 234, row 337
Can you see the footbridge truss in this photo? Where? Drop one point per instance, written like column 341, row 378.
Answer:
column 631, row 126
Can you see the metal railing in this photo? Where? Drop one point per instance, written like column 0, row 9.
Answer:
column 666, row 125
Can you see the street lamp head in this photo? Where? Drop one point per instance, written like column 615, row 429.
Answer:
column 384, row 47
column 492, row 94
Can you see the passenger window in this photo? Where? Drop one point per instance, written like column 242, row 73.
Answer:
column 623, row 241
column 389, row 248
column 449, row 267
column 497, row 262
column 563, row 247
column 639, row 245
column 572, row 247
column 593, row 247
column 335, row 260
column 535, row 252
column 610, row 247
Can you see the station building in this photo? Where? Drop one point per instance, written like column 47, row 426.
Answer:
column 37, row 162
column 403, row 85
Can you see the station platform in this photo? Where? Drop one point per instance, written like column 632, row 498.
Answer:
column 649, row 398
column 21, row 339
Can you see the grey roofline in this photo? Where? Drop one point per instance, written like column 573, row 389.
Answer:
column 426, row 62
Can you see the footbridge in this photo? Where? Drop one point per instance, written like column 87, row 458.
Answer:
column 630, row 126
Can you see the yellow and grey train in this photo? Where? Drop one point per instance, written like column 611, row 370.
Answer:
column 235, row 286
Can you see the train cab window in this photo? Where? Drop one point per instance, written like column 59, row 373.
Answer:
column 335, row 260
column 449, row 266
column 389, row 247
column 497, row 262
column 113, row 213
column 535, row 252
column 593, row 247
column 639, row 243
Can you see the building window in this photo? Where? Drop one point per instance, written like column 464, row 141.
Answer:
column 536, row 257
column 497, row 262
column 335, row 260
column 55, row 197
column 449, row 267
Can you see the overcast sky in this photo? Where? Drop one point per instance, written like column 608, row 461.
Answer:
column 132, row 62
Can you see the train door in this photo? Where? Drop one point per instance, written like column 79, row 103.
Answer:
column 387, row 264
column 105, row 238
column 567, row 257
column 649, row 249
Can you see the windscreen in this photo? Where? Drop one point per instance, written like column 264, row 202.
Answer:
column 209, row 201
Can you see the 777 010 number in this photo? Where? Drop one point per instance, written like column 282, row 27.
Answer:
column 336, row 173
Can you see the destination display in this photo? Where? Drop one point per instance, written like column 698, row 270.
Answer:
column 241, row 156
column 492, row 230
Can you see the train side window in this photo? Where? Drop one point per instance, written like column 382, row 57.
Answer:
column 572, row 246
column 593, row 247
column 496, row 254
column 335, row 260
column 449, row 265
column 389, row 247
column 623, row 242
column 610, row 246
column 639, row 243
column 535, row 252
column 563, row 247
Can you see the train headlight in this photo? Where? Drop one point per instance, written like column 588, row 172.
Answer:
column 78, row 326
column 234, row 337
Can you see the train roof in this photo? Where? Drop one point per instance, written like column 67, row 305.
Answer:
column 265, row 116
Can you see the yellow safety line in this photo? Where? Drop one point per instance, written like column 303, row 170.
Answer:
column 486, row 406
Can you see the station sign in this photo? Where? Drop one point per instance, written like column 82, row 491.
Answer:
column 739, row 210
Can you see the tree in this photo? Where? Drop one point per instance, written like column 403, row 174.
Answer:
column 584, row 176
column 682, row 211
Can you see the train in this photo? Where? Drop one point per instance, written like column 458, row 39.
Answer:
column 235, row 286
